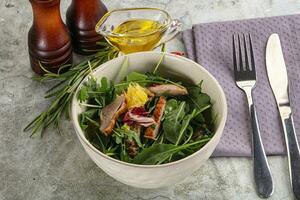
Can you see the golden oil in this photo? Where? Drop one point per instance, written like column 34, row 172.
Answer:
column 136, row 35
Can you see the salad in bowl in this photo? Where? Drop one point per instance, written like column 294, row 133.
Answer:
column 135, row 116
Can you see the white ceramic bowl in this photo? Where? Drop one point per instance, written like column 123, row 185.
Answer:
column 154, row 176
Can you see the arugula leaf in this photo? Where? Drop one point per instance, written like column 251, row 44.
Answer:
column 101, row 93
column 135, row 76
column 93, row 122
column 155, row 154
column 171, row 105
column 126, row 133
column 118, row 138
column 158, row 79
column 158, row 153
column 176, row 120
column 103, row 149
column 197, row 99
column 134, row 135
column 184, row 125
column 86, row 114
column 189, row 135
column 172, row 121
column 104, row 85
column 111, row 151
column 152, row 104
column 83, row 94
column 124, row 154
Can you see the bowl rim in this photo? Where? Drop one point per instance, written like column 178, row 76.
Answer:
column 80, row 132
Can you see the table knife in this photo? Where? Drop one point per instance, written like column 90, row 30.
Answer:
column 278, row 78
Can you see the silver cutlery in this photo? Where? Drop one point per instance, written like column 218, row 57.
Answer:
column 278, row 79
column 245, row 77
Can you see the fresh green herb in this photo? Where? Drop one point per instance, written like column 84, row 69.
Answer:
column 135, row 76
column 126, row 133
column 197, row 98
column 62, row 93
column 172, row 123
column 159, row 153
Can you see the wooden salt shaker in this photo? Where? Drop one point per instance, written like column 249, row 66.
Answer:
column 49, row 42
column 82, row 17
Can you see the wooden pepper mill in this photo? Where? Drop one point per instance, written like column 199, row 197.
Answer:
column 82, row 17
column 49, row 41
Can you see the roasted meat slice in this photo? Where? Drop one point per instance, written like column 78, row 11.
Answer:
column 168, row 90
column 111, row 113
column 152, row 131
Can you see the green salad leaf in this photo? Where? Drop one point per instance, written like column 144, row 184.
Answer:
column 135, row 76
column 197, row 99
column 174, row 115
column 159, row 153
column 125, row 132
column 155, row 154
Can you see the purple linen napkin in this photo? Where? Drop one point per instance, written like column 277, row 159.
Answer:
column 210, row 45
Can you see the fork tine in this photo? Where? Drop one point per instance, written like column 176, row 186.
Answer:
column 242, row 68
column 247, row 59
column 251, row 53
column 235, row 61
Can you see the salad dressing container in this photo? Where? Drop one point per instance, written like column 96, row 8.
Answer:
column 137, row 29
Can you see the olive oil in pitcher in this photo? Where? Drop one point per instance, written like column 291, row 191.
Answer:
column 136, row 35
column 137, row 29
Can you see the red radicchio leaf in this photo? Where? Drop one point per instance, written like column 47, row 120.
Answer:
column 127, row 119
column 141, row 111
column 138, row 116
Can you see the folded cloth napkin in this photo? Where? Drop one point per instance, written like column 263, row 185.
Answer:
column 210, row 45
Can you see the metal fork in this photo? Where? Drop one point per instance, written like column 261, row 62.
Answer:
column 245, row 77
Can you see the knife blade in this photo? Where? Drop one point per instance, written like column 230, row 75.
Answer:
column 278, row 78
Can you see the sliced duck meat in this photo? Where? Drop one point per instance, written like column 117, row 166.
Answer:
column 168, row 90
column 152, row 131
column 111, row 113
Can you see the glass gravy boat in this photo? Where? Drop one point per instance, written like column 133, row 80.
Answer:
column 137, row 29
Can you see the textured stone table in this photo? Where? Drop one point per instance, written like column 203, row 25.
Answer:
column 56, row 167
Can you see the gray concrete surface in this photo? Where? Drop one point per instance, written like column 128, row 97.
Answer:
column 56, row 166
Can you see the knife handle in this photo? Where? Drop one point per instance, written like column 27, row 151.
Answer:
column 293, row 153
column 262, row 172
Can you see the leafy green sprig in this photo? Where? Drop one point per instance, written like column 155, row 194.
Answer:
column 67, row 83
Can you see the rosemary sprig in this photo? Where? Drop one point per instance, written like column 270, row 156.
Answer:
column 62, row 93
